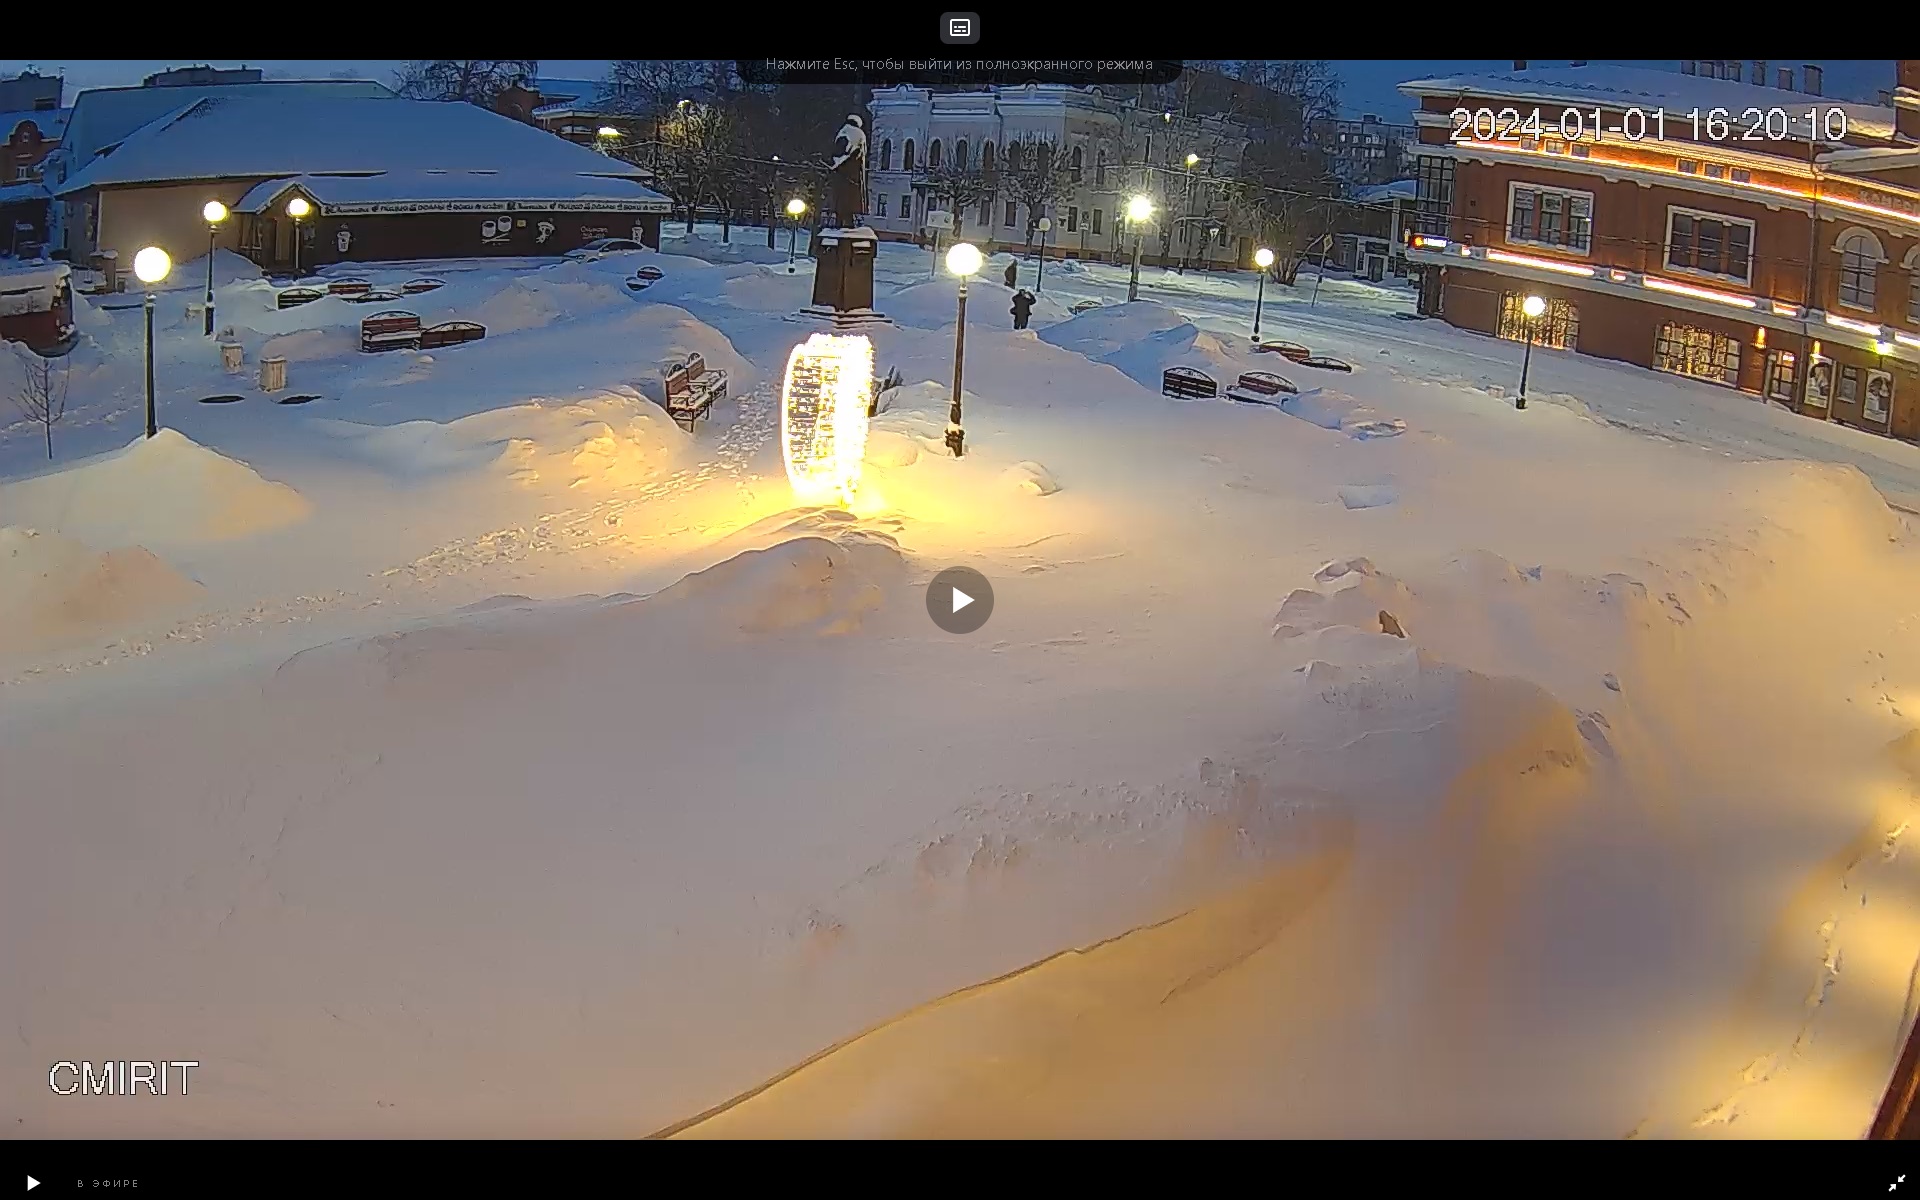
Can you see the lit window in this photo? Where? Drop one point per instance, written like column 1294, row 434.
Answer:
column 1698, row 353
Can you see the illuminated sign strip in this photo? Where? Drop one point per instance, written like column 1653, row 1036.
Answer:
column 1699, row 293
column 1543, row 264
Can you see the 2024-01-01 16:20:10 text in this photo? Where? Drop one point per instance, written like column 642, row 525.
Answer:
column 1640, row 124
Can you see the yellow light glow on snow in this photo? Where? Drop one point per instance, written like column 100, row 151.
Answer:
column 823, row 415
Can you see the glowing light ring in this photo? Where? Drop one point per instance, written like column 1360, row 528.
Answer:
column 823, row 415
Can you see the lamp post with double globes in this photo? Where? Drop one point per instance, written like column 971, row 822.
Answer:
column 1532, row 307
column 1139, row 208
column 297, row 208
column 1262, row 258
column 150, row 266
column 963, row 260
column 796, row 208
column 215, row 212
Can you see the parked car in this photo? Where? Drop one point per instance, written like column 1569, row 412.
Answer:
column 601, row 247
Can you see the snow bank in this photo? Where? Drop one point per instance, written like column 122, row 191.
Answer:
column 55, row 591
column 809, row 584
column 1099, row 332
column 933, row 304
column 161, row 491
column 1336, row 410
column 537, row 302
column 616, row 437
column 1146, row 358
column 749, row 245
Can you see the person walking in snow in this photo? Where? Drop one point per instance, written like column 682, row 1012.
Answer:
column 1013, row 273
column 1022, row 308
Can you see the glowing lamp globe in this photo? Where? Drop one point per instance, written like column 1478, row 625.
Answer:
column 823, row 416
column 1192, row 159
column 609, row 131
column 151, row 265
column 964, row 259
column 1533, row 306
column 215, row 212
column 796, row 206
column 1139, row 208
column 1263, row 258
column 298, row 207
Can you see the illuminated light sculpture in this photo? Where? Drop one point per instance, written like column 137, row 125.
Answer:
column 823, row 415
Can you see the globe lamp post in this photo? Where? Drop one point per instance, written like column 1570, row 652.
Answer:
column 214, row 212
column 1139, row 209
column 796, row 208
column 964, row 261
column 1262, row 258
column 298, row 209
column 1532, row 307
column 150, row 266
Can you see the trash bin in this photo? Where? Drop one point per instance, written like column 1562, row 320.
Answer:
column 231, row 357
column 273, row 374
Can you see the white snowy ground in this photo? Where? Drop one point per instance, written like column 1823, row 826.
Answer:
column 471, row 752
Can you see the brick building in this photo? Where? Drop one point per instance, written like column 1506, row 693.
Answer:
column 1753, row 236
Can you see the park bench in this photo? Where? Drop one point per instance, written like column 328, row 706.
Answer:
column 295, row 297
column 451, row 333
column 372, row 296
column 348, row 287
column 1185, row 383
column 1262, row 387
column 413, row 287
column 650, row 274
column 391, row 330
column 1325, row 363
column 1292, row 351
column 692, row 389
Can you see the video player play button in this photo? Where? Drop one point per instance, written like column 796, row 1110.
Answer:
column 959, row 600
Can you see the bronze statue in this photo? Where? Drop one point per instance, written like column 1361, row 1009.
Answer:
column 847, row 173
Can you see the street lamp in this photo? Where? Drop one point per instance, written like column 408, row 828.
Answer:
column 1139, row 208
column 1186, row 216
column 608, row 131
column 297, row 208
column 1040, row 272
column 1262, row 258
column 150, row 266
column 963, row 260
column 796, row 207
column 1532, row 306
column 215, row 212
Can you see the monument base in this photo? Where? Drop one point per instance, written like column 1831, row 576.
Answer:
column 849, row 320
column 843, row 277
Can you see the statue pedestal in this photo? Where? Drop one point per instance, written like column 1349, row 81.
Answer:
column 843, row 278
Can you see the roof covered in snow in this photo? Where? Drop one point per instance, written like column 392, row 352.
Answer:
column 51, row 122
column 427, row 191
column 18, row 193
column 240, row 137
column 553, row 91
column 104, row 116
column 1639, row 87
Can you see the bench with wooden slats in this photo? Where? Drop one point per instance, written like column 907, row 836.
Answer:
column 692, row 390
column 1186, row 383
column 391, row 330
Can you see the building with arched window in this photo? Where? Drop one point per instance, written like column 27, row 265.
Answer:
column 1680, row 248
column 1015, row 127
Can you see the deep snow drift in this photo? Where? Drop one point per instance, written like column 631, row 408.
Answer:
column 1390, row 761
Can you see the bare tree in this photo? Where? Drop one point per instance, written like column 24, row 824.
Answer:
column 963, row 187
column 42, row 391
column 652, row 87
column 1035, row 173
column 474, row 80
column 699, row 158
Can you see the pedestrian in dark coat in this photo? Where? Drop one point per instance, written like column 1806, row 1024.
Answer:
column 1022, row 308
column 1013, row 273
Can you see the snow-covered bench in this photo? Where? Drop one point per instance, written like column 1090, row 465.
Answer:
column 692, row 390
column 348, row 287
column 413, row 287
column 1261, row 387
column 391, row 330
column 295, row 297
column 1289, row 350
column 1185, row 383
column 1326, row 363
column 451, row 333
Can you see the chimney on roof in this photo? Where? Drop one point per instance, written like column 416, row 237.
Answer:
column 1760, row 71
column 1519, row 64
column 1733, row 69
column 1689, row 66
column 1812, row 75
column 1906, row 98
column 1786, row 79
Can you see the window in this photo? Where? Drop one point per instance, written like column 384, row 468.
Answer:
column 1688, row 166
column 1012, row 215
column 986, row 158
column 933, row 155
column 1074, row 164
column 906, row 207
column 1558, row 327
column 1094, row 215
column 1849, row 384
column 906, row 163
column 1554, row 217
column 986, row 213
column 879, row 206
column 1100, row 172
column 1716, row 171
column 1433, row 194
column 960, row 155
column 1704, row 243
column 1073, row 219
column 886, row 154
column 1742, row 175
column 1582, row 150
column 1697, row 353
column 1913, row 294
column 1860, row 259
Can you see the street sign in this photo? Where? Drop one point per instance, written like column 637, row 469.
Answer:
column 939, row 220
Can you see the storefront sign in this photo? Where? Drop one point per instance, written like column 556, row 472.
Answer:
column 494, row 206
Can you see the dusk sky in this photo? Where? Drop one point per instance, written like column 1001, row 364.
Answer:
column 1368, row 83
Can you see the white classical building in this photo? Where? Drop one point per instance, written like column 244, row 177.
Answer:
column 1111, row 150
